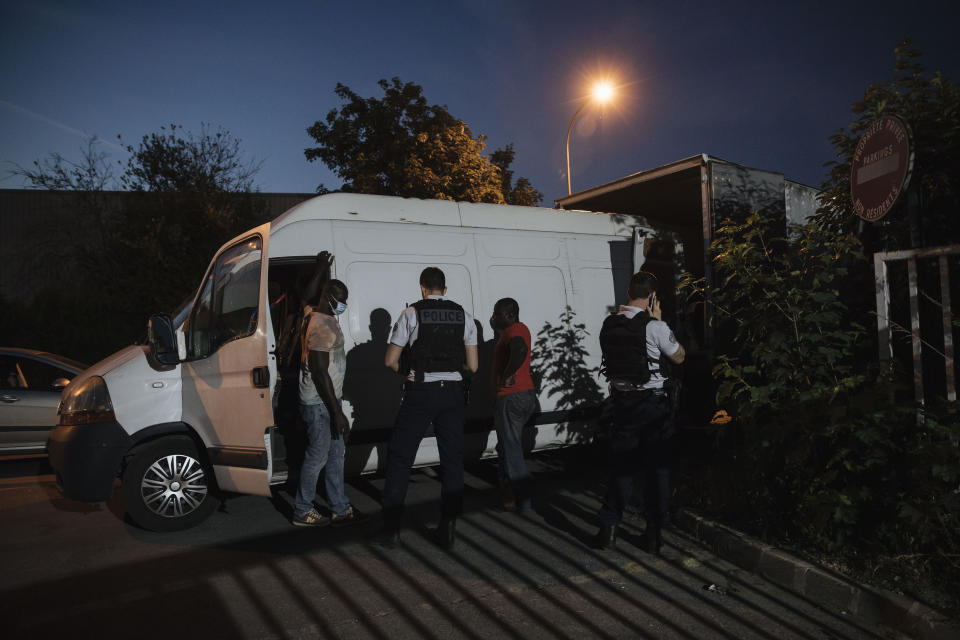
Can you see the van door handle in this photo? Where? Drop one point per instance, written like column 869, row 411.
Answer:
column 261, row 377
column 9, row 399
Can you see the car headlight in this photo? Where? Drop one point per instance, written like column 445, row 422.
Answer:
column 86, row 403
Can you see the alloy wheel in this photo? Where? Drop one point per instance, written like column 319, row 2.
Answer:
column 174, row 486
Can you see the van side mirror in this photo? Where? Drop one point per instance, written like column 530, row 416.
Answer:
column 161, row 338
column 59, row 384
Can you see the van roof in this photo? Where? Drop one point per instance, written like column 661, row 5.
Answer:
column 355, row 206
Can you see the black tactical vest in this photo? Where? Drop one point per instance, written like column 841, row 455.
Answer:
column 623, row 342
column 439, row 344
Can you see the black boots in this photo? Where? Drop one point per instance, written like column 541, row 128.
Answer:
column 388, row 537
column 445, row 533
column 522, row 492
column 389, row 534
column 606, row 538
column 652, row 540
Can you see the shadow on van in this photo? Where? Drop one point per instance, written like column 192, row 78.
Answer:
column 374, row 393
column 560, row 372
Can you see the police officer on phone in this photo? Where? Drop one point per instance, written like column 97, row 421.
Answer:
column 438, row 342
column 638, row 348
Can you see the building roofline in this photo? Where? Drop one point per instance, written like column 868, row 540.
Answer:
column 652, row 174
column 634, row 178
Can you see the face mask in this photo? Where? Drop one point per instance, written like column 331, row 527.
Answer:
column 340, row 308
column 498, row 323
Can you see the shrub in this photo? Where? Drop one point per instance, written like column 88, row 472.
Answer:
column 827, row 453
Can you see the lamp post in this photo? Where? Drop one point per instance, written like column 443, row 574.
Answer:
column 602, row 92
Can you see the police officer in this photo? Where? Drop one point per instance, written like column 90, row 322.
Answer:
column 438, row 341
column 635, row 342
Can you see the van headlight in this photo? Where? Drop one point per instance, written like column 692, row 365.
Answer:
column 86, row 403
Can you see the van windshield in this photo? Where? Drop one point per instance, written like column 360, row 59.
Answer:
column 183, row 310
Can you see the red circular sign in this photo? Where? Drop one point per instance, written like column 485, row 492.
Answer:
column 881, row 167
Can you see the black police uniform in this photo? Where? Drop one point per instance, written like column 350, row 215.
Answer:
column 643, row 424
column 435, row 355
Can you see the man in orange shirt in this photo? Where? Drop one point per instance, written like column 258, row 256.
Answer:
column 516, row 399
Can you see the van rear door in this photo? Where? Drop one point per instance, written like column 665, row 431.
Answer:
column 226, row 378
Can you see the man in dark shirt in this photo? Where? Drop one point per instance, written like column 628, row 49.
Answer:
column 516, row 401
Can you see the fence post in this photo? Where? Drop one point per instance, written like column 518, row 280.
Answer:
column 947, row 328
column 883, row 306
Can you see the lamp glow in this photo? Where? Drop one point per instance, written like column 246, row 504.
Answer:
column 602, row 93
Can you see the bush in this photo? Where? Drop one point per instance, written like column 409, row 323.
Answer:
column 826, row 452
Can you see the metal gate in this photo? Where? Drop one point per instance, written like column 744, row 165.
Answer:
column 880, row 261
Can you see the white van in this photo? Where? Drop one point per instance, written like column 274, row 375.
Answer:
column 192, row 412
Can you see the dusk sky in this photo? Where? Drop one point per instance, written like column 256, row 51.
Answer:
column 759, row 83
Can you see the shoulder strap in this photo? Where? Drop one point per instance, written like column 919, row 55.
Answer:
column 640, row 321
column 636, row 324
column 302, row 338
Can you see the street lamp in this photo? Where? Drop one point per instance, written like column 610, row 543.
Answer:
column 602, row 92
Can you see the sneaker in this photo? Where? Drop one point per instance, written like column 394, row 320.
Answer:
column 311, row 518
column 352, row 516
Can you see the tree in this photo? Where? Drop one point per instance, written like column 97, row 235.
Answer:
column 91, row 174
column 521, row 192
column 127, row 256
column 400, row 145
column 446, row 164
column 926, row 214
column 193, row 196
column 930, row 104
column 825, row 450
column 176, row 160
column 82, row 185
column 70, row 268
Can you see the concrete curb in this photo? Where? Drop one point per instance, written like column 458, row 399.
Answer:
column 823, row 587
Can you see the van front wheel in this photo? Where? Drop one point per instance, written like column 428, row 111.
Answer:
column 167, row 486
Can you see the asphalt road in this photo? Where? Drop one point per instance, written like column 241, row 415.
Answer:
column 72, row 570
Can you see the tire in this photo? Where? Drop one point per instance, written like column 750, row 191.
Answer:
column 167, row 485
